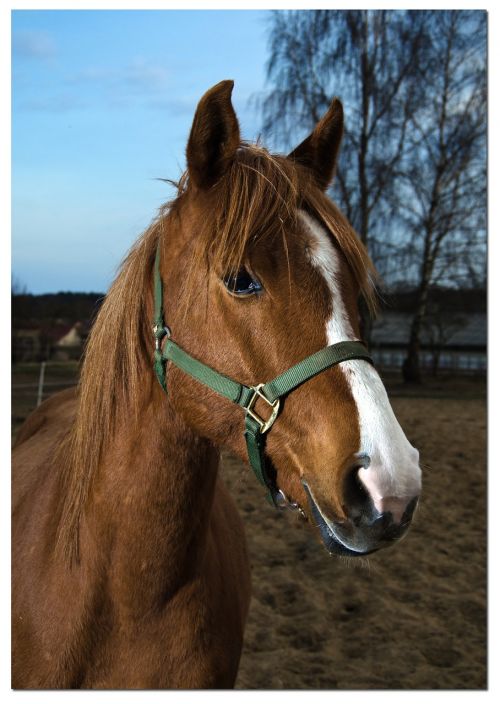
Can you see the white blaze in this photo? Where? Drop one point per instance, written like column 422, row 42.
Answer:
column 393, row 470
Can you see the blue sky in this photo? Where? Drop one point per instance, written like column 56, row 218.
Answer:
column 102, row 104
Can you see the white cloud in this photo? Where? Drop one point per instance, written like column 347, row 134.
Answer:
column 145, row 76
column 139, row 76
column 58, row 103
column 174, row 105
column 33, row 45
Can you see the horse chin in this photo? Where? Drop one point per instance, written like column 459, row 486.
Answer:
column 334, row 545
column 331, row 541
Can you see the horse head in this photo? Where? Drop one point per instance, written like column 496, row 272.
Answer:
column 260, row 270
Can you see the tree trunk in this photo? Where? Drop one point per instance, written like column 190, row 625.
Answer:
column 365, row 322
column 436, row 356
column 411, row 365
column 364, row 314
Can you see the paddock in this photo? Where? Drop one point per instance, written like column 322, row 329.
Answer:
column 328, row 623
column 413, row 617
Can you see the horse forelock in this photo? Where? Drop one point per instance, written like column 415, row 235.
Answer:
column 259, row 198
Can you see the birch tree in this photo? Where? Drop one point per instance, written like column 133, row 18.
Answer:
column 366, row 58
column 442, row 177
column 411, row 175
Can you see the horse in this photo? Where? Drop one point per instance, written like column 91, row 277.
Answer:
column 129, row 563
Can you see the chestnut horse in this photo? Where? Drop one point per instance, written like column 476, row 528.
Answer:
column 129, row 561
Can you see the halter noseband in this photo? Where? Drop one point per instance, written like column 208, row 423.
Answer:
column 246, row 396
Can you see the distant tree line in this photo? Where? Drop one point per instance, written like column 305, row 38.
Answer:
column 412, row 170
column 72, row 307
column 446, row 300
column 65, row 306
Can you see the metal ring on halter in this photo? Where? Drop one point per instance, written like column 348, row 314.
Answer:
column 159, row 333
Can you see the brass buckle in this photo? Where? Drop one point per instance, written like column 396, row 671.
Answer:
column 275, row 405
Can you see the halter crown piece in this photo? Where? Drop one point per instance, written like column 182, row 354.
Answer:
column 246, row 396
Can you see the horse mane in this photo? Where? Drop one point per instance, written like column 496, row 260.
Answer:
column 258, row 193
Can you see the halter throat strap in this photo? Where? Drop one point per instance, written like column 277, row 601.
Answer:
column 246, row 396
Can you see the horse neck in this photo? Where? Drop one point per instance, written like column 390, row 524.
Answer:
column 152, row 500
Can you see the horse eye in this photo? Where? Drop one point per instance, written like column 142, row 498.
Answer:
column 242, row 283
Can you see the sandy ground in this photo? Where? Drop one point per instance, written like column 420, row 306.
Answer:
column 410, row 617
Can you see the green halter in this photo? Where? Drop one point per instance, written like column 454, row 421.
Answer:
column 246, row 396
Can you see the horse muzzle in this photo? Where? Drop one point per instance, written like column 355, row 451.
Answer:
column 365, row 529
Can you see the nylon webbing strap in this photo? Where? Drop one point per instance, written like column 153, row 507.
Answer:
column 315, row 364
column 159, row 367
column 255, row 448
column 158, row 296
column 278, row 387
column 218, row 382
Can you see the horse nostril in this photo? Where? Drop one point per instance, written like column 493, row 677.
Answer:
column 357, row 501
column 409, row 510
column 363, row 507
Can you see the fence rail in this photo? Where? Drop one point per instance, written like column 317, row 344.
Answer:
column 32, row 383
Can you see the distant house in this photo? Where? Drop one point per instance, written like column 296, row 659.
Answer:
column 70, row 344
column 60, row 341
column 454, row 342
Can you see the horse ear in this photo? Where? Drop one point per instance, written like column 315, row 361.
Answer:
column 319, row 151
column 214, row 137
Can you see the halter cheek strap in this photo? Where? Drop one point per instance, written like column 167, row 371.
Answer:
column 246, row 396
